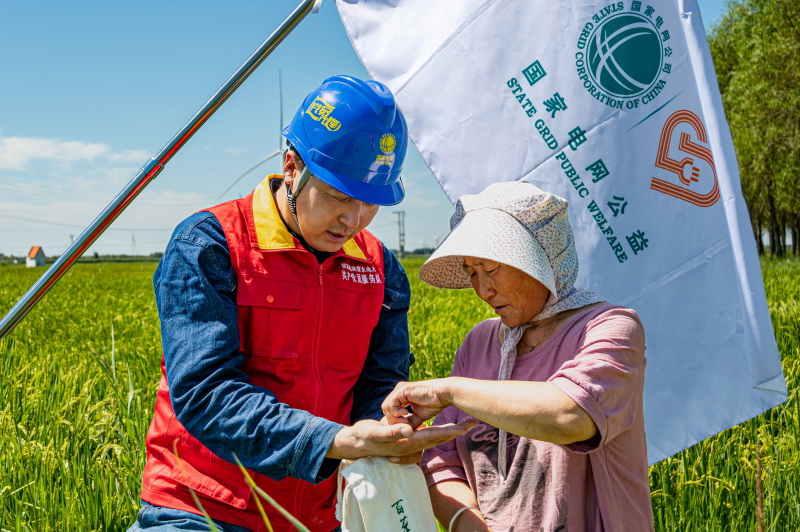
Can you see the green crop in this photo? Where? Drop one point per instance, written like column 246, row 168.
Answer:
column 78, row 378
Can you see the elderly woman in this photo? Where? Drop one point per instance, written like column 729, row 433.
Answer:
column 555, row 383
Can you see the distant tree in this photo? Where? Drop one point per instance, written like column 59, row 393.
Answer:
column 756, row 50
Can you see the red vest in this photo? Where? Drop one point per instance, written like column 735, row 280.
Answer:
column 305, row 330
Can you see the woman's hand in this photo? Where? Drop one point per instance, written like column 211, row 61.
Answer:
column 426, row 398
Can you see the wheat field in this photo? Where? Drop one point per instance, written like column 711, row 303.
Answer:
column 78, row 378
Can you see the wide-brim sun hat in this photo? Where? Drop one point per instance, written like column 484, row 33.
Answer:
column 500, row 224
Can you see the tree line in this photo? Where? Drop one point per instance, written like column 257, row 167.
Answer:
column 756, row 51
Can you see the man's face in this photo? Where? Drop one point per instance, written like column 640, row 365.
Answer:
column 328, row 218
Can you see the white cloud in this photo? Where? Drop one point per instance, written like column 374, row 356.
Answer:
column 129, row 156
column 16, row 152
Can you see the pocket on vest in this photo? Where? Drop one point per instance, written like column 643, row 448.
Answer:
column 269, row 316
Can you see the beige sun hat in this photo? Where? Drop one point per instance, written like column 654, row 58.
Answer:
column 498, row 224
column 518, row 224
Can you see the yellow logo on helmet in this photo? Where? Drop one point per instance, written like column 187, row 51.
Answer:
column 388, row 143
column 320, row 110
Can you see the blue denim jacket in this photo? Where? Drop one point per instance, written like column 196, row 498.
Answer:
column 211, row 396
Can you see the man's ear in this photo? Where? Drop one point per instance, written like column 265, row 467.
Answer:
column 289, row 167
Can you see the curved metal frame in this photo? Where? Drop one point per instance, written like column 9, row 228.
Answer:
column 150, row 170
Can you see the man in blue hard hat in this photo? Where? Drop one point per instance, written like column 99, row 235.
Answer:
column 284, row 327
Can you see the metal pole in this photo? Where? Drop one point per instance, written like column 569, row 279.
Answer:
column 150, row 170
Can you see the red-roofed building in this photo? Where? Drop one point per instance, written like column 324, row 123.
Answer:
column 35, row 257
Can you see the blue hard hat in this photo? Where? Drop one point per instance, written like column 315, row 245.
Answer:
column 351, row 135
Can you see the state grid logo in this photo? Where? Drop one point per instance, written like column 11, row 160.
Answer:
column 388, row 143
column 622, row 55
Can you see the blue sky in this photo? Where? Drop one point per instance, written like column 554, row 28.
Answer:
column 91, row 90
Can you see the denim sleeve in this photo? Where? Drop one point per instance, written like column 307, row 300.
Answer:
column 211, row 395
column 389, row 357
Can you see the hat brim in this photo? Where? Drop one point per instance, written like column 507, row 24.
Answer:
column 488, row 234
column 384, row 194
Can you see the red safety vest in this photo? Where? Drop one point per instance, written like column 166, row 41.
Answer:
column 305, row 330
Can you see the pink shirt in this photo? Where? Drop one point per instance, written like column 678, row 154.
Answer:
column 597, row 358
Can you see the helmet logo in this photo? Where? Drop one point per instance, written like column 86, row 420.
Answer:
column 321, row 111
column 388, row 143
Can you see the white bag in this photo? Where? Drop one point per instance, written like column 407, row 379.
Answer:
column 385, row 497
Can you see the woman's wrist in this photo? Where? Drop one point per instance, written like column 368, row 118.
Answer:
column 457, row 515
column 451, row 388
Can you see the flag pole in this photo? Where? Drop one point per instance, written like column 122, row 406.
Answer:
column 150, row 170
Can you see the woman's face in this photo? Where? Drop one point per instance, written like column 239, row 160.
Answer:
column 515, row 296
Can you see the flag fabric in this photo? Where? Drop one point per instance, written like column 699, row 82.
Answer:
column 614, row 106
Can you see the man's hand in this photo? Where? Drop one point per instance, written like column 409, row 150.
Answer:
column 373, row 438
column 427, row 398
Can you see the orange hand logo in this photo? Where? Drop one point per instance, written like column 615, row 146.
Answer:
column 686, row 169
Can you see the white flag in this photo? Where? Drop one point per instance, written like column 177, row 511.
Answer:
column 614, row 106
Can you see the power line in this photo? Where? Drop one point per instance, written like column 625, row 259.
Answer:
column 64, row 224
column 41, row 191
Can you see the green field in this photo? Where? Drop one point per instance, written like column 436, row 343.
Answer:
column 79, row 373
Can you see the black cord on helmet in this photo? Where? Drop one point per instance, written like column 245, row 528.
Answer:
column 302, row 180
column 293, row 206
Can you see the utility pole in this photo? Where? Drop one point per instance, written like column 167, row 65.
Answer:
column 401, row 228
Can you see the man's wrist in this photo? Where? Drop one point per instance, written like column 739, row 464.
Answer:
column 310, row 452
column 341, row 442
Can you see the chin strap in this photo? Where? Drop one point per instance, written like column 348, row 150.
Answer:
column 292, row 196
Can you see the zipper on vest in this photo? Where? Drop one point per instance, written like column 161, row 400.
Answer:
column 315, row 368
column 315, row 352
